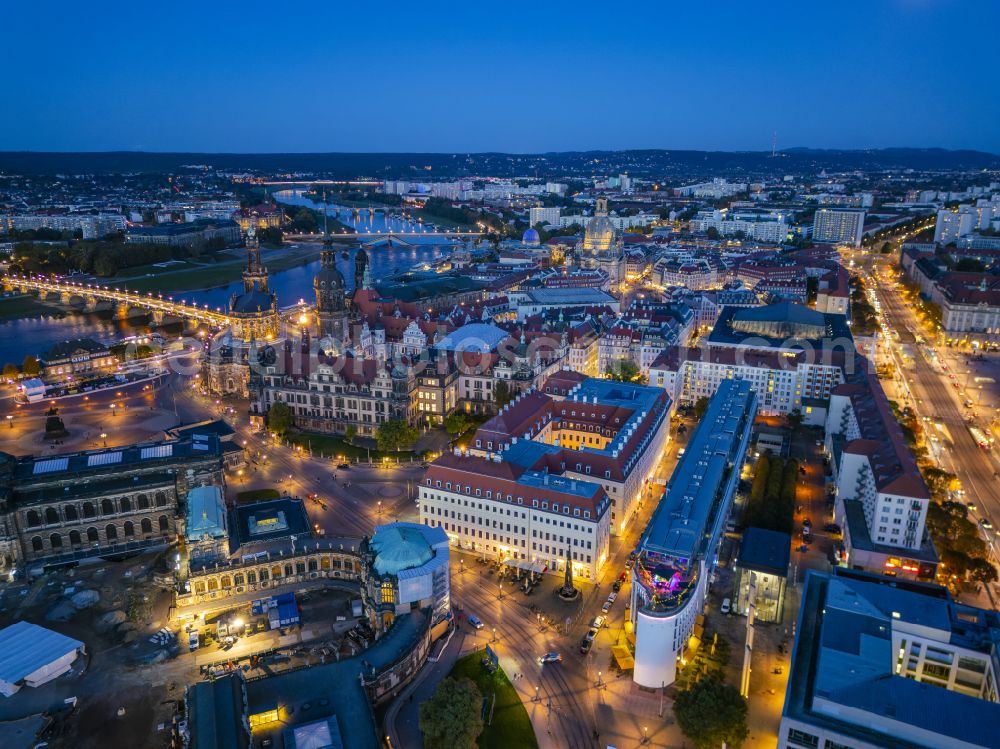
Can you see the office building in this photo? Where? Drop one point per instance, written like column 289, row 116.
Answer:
column 839, row 226
column 879, row 662
column 677, row 551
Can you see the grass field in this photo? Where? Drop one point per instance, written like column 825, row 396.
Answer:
column 189, row 278
column 332, row 445
column 511, row 726
column 256, row 495
column 25, row 306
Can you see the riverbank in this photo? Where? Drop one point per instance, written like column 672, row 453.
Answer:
column 218, row 274
column 25, row 306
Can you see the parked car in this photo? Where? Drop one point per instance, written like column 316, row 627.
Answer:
column 606, row 607
column 550, row 658
column 617, row 586
column 598, row 622
column 475, row 622
column 612, row 596
column 726, row 606
column 585, row 646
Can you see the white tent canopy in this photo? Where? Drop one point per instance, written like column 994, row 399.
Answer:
column 34, row 655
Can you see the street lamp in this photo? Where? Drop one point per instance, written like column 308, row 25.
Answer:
column 536, row 695
column 112, row 409
column 380, row 507
column 645, row 735
column 10, row 421
column 104, row 437
column 494, row 635
column 501, row 591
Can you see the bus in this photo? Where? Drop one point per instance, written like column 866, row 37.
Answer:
column 980, row 438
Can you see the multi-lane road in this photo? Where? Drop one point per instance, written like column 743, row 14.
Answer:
column 935, row 398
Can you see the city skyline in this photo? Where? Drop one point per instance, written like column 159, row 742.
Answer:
column 533, row 80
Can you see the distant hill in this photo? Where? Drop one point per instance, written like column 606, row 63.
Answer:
column 427, row 166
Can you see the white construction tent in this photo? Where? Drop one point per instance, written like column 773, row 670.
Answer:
column 32, row 655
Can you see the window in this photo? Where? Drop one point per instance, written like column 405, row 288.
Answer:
column 801, row 738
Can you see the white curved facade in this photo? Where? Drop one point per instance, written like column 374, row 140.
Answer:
column 660, row 638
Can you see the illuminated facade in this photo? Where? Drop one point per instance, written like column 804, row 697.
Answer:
column 524, row 518
column 254, row 313
column 677, row 551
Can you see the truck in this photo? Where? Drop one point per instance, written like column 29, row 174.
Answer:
column 981, row 439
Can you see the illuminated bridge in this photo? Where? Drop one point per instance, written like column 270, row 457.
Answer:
column 90, row 296
column 371, row 238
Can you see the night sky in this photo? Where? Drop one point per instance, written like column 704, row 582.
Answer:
column 498, row 76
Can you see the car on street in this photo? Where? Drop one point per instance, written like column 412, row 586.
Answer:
column 550, row 658
column 606, row 607
column 598, row 622
column 986, row 523
column 585, row 646
column 617, row 586
column 343, row 466
column 612, row 596
column 726, row 606
column 475, row 622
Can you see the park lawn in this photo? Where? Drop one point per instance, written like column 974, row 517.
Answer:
column 445, row 223
column 26, row 305
column 256, row 495
column 174, row 282
column 511, row 725
column 332, row 445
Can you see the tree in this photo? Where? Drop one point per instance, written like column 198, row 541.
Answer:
column 10, row 371
column 886, row 248
column 457, row 422
column 625, row 370
column 395, row 434
column 501, row 393
column 350, row 433
column 280, row 418
column 700, row 406
column 795, row 420
column 452, row 717
column 982, row 571
column 710, row 713
column 30, row 366
column 712, row 233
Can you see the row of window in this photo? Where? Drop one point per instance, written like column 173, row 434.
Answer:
column 69, row 513
column 544, row 504
column 75, row 539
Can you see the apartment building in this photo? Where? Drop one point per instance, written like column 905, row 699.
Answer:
column 839, row 226
column 881, row 497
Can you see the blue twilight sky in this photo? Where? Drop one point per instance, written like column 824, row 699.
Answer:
column 175, row 75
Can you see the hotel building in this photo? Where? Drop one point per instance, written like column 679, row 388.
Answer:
column 530, row 519
column 585, row 429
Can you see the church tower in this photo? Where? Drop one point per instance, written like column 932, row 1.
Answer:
column 255, row 274
column 329, row 287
